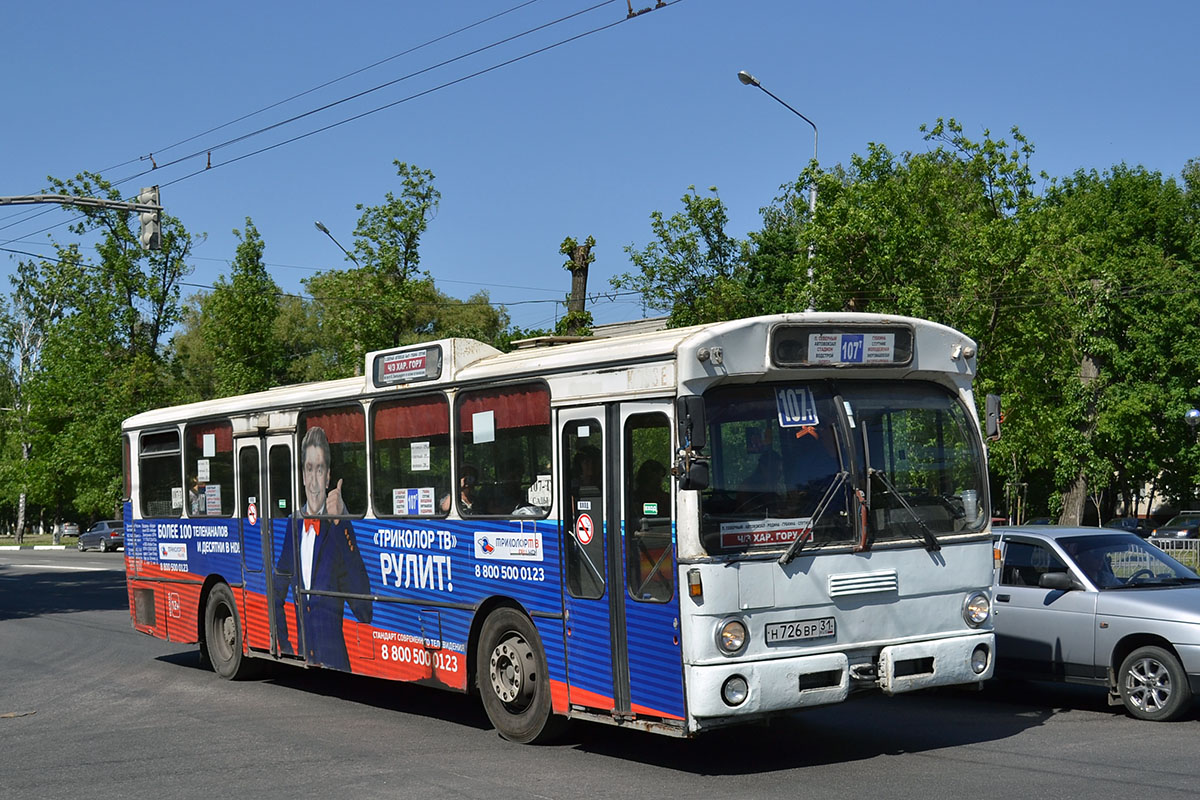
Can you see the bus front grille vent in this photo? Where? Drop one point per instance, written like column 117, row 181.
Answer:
column 863, row 583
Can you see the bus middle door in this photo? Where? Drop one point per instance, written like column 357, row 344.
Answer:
column 278, row 512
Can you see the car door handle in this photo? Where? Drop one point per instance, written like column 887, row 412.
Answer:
column 1002, row 598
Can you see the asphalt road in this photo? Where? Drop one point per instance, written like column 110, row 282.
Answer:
column 88, row 708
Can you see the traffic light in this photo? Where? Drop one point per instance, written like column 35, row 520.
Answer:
column 150, row 237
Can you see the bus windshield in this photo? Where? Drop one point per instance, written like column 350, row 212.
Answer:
column 889, row 461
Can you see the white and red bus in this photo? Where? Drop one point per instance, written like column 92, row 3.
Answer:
column 669, row 531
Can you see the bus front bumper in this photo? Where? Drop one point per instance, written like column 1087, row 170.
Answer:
column 782, row 684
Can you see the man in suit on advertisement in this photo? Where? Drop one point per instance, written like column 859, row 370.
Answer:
column 320, row 541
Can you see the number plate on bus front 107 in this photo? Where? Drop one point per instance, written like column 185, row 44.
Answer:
column 803, row 629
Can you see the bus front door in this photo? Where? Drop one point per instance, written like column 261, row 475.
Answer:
column 618, row 535
column 597, row 666
column 649, row 562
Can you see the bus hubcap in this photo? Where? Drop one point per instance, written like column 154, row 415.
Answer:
column 510, row 664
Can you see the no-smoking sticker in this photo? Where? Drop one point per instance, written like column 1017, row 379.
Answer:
column 252, row 513
column 583, row 529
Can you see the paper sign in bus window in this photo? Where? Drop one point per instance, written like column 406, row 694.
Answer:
column 413, row 502
column 210, row 445
column 420, row 456
column 483, row 424
column 796, row 405
column 212, row 498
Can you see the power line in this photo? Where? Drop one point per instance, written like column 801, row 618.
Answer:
column 351, row 74
column 375, row 110
column 327, row 106
column 293, row 97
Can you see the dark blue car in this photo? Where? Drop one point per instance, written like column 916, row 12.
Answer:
column 106, row 535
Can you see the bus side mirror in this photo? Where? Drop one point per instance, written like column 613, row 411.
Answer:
column 693, row 475
column 689, row 416
column 993, row 417
column 691, row 468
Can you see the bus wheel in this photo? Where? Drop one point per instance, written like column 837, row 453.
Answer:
column 223, row 635
column 1153, row 685
column 513, row 680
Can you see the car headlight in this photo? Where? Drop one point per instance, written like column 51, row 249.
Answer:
column 731, row 636
column 977, row 609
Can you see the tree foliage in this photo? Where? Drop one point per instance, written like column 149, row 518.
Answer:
column 1081, row 296
column 239, row 322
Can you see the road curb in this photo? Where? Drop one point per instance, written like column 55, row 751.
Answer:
column 33, row 547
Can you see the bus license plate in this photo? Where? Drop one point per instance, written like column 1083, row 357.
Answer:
column 802, row 629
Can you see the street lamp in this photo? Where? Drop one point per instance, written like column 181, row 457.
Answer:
column 749, row 80
column 1192, row 418
column 321, row 227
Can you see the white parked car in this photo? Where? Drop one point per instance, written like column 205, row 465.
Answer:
column 1102, row 607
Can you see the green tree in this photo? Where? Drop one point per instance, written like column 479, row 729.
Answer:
column 1117, row 252
column 239, row 321
column 371, row 306
column 102, row 358
column 693, row 269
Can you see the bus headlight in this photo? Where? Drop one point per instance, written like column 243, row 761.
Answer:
column 977, row 610
column 731, row 636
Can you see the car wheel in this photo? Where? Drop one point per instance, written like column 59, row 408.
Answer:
column 1153, row 685
column 80, row 547
column 223, row 635
column 510, row 670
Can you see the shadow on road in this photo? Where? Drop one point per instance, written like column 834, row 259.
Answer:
column 859, row 729
column 403, row 698
column 25, row 593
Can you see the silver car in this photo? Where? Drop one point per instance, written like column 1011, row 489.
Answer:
column 1098, row 606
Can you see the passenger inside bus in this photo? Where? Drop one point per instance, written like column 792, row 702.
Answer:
column 467, row 479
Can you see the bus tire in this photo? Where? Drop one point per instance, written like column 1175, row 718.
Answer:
column 1153, row 685
column 223, row 635
column 510, row 670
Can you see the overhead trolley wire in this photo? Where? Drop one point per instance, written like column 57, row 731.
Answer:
column 375, row 110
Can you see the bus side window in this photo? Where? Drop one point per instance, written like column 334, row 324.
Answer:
column 208, row 461
column 410, row 456
column 160, row 474
column 649, row 549
column 503, row 448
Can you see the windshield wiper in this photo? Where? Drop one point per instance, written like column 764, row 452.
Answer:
column 931, row 542
column 807, row 534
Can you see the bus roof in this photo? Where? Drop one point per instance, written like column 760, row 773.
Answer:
column 466, row 361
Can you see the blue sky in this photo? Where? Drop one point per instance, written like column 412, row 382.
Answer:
column 587, row 138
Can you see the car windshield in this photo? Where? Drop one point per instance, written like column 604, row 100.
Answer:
column 1124, row 561
column 1183, row 520
column 907, row 454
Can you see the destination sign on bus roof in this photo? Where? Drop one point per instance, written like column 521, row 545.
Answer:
column 841, row 345
column 408, row 366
